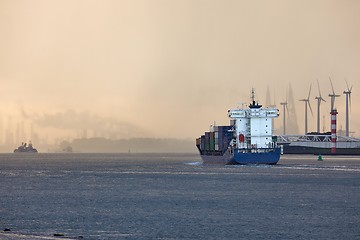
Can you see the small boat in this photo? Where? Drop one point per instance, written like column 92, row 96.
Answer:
column 26, row 148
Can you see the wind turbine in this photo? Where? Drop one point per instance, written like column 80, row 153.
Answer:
column 319, row 99
column 348, row 99
column 332, row 96
column 284, row 104
column 307, row 103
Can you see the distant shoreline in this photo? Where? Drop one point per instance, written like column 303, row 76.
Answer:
column 104, row 145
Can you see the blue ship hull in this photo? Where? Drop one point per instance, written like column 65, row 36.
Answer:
column 268, row 156
column 244, row 156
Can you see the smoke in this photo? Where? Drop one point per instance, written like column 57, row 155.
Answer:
column 70, row 119
column 172, row 67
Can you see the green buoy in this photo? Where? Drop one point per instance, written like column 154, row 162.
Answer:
column 320, row 157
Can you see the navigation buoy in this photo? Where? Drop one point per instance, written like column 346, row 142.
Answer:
column 320, row 157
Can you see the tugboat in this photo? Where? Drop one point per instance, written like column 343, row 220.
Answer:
column 25, row 148
column 248, row 139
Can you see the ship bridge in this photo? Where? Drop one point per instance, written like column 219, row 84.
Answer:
column 254, row 112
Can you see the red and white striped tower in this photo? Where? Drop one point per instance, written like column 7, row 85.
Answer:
column 333, row 130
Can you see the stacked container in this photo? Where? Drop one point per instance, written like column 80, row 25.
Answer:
column 212, row 141
column 222, row 138
column 216, row 141
column 202, row 143
column 207, row 141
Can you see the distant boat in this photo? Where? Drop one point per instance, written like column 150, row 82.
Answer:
column 25, row 148
column 68, row 149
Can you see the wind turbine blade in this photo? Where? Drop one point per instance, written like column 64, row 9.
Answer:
column 310, row 108
column 309, row 92
column 347, row 85
column 319, row 87
column 332, row 87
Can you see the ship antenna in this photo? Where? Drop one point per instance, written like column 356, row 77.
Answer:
column 253, row 96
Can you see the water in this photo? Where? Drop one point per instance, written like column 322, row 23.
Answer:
column 174, row 196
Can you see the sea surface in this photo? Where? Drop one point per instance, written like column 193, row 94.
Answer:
column 175, row 196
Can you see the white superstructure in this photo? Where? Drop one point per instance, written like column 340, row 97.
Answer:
column 253, row 126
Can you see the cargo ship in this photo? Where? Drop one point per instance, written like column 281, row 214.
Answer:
column 247, row 140
column 25, row 148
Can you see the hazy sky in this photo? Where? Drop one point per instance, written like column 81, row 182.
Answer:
column 170, row 68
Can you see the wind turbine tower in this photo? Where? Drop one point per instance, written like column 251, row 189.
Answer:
column 319, row 99
column 284, row 104
column 348, row 99
column 292, row 126
column 307, row 103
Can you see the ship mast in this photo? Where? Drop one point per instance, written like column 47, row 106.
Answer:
column 253, row 96
column 253, row 104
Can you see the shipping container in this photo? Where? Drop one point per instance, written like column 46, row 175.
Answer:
column 212, row 141
column 212, row 145
column 225, row 129
column 221, row 142
column 215, row 141
column 202, row 146
column 226, row 140
column 207, row 141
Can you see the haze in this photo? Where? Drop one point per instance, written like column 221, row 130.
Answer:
column 169, row 69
